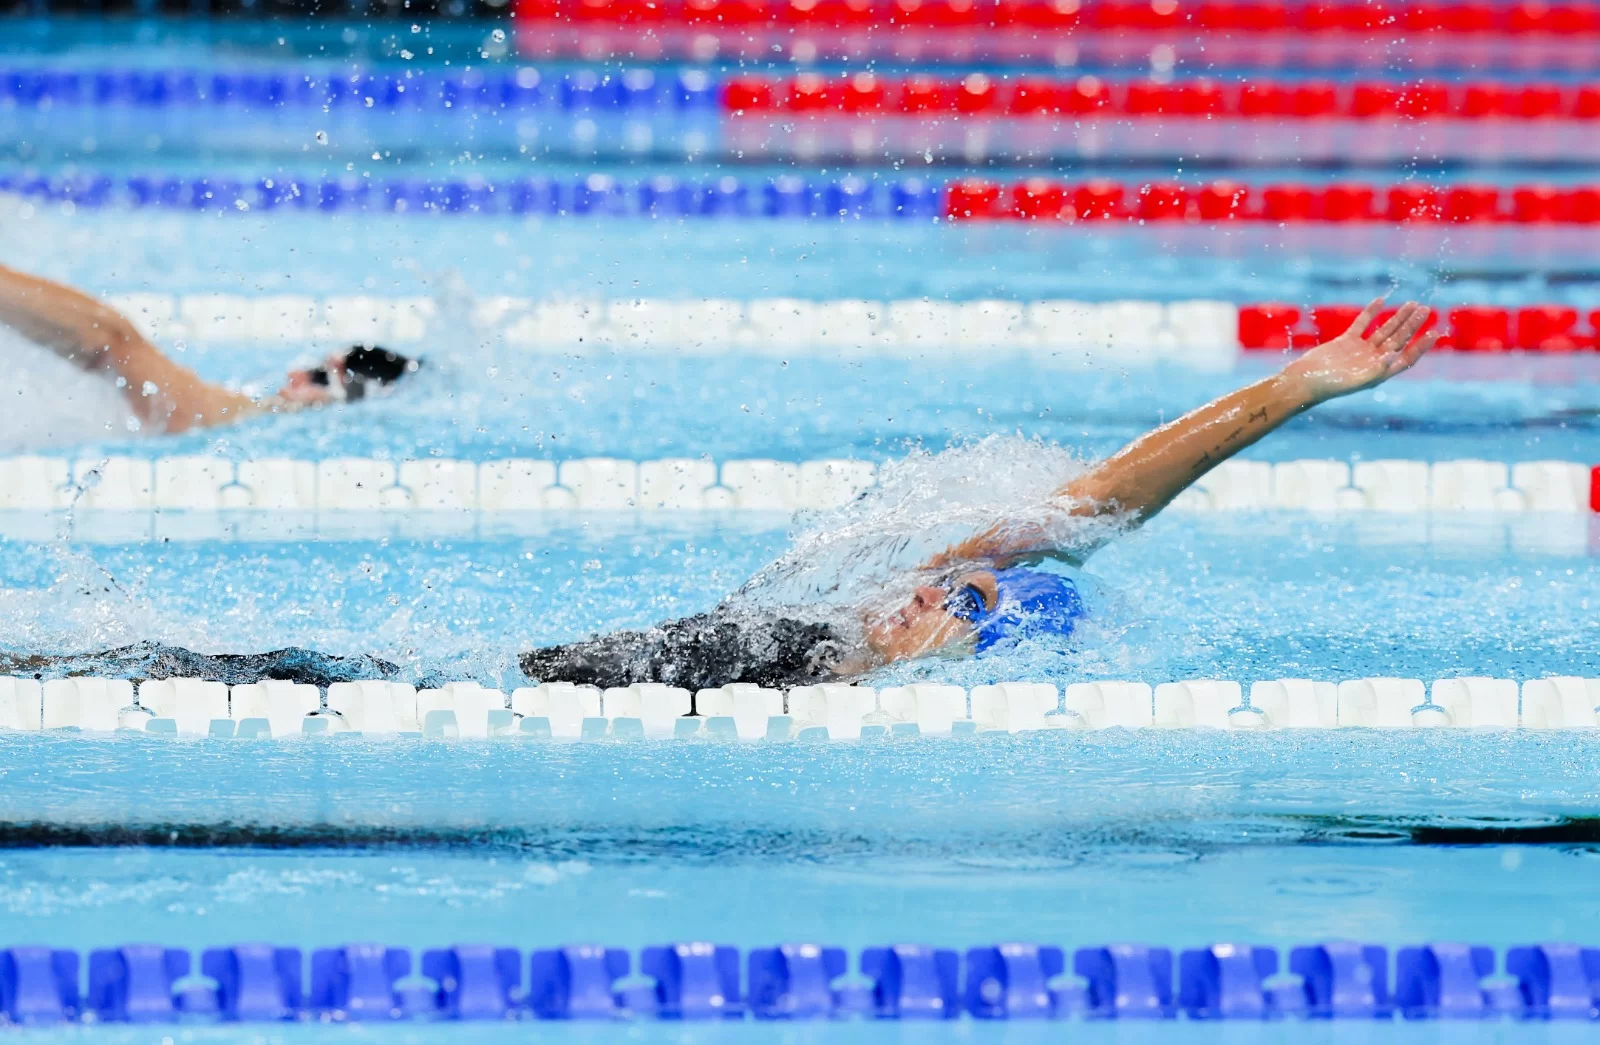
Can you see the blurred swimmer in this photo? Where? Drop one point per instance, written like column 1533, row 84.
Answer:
column 991, row 588
column 164, row 395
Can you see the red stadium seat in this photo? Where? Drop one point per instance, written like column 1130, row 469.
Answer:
column 1040, row 199
column 977, row 94
column 1287, row 203
column 1038, row 15
column 1329, row 321
column 926, row 94
column 1480, row 329
column 749, row 94
column 1412, row 203
column 1347, row 203
column 1098, row 200
column 1549, row 328
column 1163, row 201
column 974, row 198
column 1472, row 203
column 1034, row 96
column 1267, row 326
column 1222, row 201
column 864, row 93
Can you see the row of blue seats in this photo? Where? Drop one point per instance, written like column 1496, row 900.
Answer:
column 256, row 982
column 781, row 197
column 630, row 90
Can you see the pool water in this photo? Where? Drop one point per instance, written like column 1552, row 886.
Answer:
column 1178, row 838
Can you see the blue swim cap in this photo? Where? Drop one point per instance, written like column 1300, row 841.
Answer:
column 1032, row 602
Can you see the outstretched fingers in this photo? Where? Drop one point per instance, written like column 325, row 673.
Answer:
column 1383, row 336
column 1406, row 359
column 1410, row 328
column 1368, row 314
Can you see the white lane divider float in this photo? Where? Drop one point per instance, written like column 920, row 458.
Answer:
column 1200, row 334
column 354, row 484
column 565, row 712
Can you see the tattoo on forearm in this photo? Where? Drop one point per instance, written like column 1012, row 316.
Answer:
column 1259, row 415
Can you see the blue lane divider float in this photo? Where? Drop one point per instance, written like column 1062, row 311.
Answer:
column 785, row 196
column 624, row 91
column 147, row 983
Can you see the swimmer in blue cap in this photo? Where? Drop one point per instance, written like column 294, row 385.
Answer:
column 989, row 589
column 164, row 395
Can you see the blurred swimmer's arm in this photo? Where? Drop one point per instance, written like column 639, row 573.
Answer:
column 163, row 394
column 1143, row 477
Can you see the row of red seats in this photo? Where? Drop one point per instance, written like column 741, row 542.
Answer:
column 1041, row 199
column 1254, row 16
column 980, row 94
column 1541, row 328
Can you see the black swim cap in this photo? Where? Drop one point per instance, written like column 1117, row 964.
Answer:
column 377, row 364
column 363, row 364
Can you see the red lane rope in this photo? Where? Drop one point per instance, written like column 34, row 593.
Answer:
column 1043, row 199
column 1526, row 17
column 1468, row 328
column 1088, row 97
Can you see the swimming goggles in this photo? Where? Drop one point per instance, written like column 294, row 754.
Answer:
column 965, row 602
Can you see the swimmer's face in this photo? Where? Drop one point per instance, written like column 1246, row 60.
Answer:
column 309, row 386
column 926, row 623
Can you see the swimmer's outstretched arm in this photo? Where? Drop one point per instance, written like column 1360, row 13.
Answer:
column 1143, row 477
column 164, row 395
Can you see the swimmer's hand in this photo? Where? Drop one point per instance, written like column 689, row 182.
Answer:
column 1351, row 362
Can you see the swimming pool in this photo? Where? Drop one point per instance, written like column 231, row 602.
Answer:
column 1180, row 838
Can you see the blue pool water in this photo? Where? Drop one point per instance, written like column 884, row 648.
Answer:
column 1177, row 838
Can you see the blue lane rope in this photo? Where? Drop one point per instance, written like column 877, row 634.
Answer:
column 260, row 982
column 596, row 194
column 626, row 91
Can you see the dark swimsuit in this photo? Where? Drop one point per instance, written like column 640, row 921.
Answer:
column 699, row 652
column 152, row 660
